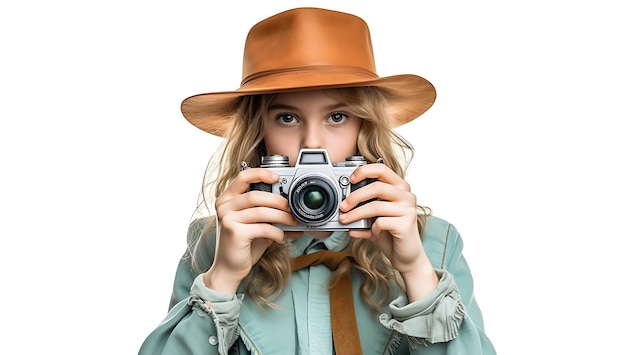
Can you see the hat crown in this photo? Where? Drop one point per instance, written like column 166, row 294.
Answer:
column 308, row 38
column 308, row 49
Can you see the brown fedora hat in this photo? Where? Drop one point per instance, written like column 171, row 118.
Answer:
column 309, row 48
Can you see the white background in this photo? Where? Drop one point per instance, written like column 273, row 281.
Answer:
column 523, row 151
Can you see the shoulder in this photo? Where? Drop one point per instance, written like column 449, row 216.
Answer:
column 195, row 229
column 198, row 228
column 201, row 241
column 440, row 238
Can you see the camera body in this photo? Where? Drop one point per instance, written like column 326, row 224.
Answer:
column 314, row 188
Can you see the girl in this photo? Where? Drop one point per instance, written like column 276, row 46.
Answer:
column 248, row 286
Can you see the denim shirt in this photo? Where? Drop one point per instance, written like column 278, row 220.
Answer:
column 448, row 321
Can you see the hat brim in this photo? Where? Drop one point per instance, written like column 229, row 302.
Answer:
column 409, row 96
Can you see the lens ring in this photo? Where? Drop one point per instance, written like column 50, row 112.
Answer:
column 313, row 200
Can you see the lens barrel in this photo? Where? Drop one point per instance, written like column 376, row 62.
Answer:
column 313, row 200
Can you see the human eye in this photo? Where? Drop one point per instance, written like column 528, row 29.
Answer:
column 337, row 117
column 287, row 119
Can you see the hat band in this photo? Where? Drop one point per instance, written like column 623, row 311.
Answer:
column 356, row 71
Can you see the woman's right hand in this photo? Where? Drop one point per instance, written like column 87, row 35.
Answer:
column 245, row 228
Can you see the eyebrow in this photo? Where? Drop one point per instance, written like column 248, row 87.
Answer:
column 280, row 106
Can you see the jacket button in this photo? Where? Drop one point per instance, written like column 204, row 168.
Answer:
column 213, row 340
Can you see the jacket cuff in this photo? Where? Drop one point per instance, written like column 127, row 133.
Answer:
column 435, row 318
column 223, row 309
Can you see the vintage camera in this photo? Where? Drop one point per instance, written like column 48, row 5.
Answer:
column 314, row 188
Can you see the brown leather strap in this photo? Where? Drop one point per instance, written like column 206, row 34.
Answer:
column 342, row 316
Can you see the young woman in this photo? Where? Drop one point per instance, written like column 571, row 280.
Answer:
column 258, row 280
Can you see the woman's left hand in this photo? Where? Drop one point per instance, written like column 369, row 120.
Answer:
column 394, row 228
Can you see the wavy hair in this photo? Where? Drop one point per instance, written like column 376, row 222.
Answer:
column 376, row 140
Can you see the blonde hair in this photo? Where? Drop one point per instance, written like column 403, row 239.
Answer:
column 376, row 140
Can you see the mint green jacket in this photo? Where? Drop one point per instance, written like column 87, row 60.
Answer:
column 448, row 321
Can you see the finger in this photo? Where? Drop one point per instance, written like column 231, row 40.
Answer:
column 380, row 172
column 395, row 226
column 360, row 234
column 246, row 177
column 376, row 209
column 258, row 215
column 267, row 232
column 377, row 190
column 243, row 236
column 258, row 247
column 253, row 199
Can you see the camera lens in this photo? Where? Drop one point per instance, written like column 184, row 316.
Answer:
column 313, row 200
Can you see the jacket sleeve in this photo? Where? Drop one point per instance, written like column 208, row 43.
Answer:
column 449, row 320
column 472, row 334
column 191, row 326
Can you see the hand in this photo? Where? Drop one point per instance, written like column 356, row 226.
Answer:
column 395, row 228
column 245, row 228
